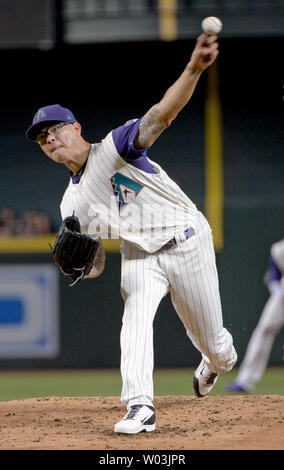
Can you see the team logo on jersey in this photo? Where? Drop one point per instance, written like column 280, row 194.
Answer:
column 123, row 187
column 40, row 114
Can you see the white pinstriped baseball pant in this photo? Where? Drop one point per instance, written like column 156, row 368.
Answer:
column 188, row 272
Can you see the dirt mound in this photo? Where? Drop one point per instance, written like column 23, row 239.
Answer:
column 183, row 422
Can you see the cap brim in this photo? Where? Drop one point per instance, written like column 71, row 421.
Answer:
column 35, row 129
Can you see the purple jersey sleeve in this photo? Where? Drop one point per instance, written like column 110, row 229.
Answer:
column 274, row 272
column 123, row 138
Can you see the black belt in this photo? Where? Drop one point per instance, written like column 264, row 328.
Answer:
column 189, row 232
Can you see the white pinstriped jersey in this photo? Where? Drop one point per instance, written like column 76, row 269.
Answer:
column 116, row 199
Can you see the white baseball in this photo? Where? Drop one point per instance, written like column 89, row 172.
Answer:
column 211, row 25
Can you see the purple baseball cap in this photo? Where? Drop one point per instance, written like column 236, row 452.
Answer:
column 48, row 115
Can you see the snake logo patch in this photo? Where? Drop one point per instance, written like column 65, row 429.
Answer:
column 122, row 187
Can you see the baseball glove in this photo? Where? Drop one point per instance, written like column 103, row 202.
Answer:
column 74, row 252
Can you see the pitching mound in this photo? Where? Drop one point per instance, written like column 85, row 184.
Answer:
column 183, row 422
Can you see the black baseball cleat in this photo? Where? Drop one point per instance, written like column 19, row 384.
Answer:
column 139, row 418
column 203, row 380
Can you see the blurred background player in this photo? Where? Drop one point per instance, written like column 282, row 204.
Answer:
column 271, row 321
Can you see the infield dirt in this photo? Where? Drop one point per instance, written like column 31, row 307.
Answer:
column 183, row 422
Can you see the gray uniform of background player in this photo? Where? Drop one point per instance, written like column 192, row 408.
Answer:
column 271, row 321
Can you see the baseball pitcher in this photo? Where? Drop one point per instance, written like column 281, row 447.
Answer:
column 117, row 191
